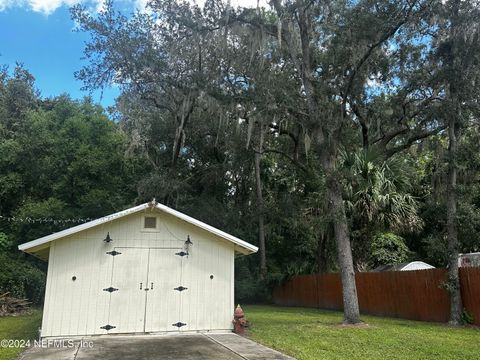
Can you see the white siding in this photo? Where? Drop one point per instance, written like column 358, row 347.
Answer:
column 81, row 307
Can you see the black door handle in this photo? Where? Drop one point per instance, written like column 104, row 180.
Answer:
column 140, row 286
column 151, row 285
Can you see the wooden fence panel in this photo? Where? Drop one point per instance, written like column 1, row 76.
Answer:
column 413, row 295
column 416, row 295
column 470, row 285
column 329, row 291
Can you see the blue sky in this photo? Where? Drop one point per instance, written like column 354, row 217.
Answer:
column 48, row 48
column 39, row 34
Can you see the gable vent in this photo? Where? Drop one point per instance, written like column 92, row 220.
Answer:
column 150, row 222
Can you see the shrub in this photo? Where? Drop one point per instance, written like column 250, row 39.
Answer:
column 388, row 248
column 5, row 243
column 467, row 317
column 21, row 279
column 250, row 288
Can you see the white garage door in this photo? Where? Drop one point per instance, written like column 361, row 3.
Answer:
column 146, row 290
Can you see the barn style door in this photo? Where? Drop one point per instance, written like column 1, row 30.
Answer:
column 163, row 302
column 146, row 291
column 127, row 294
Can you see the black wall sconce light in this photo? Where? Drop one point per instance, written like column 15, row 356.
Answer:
column 108, row 238
column 188, row 244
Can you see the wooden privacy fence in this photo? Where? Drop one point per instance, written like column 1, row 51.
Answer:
column 415, row 295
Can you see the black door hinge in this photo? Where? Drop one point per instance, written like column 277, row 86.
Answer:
column 181, row 253
column 179, row 324
column 110, row 289
column 107, row 327
column 113, row 253
column 180, row 288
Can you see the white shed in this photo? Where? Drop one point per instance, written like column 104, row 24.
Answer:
column 410, row 266
column 469, row 260
column 143, row 270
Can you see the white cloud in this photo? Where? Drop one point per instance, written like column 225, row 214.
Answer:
column 5, row 4
column 42, row 6
column 101, row 5
column 140, row 4
column 49, row 6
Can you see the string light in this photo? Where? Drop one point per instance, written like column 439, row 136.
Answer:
column 44, row 220
column 30, row 220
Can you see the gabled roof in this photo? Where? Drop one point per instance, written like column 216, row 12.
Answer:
column 241, row 246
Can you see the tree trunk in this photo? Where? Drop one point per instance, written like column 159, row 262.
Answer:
column 322, row 252
column 452, row 235
column 322, row 132
column 261, row 220
column 182, row 119
column 344, row 251
column 454, row 118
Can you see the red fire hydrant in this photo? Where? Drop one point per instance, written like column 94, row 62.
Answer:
column 239, row 321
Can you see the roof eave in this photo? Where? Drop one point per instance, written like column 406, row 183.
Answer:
column 46, row 239
column 243, row 244
column 244, row 247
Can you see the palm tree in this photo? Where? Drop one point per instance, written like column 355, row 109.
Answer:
column 377, row 198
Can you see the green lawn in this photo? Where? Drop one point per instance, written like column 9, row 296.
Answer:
column 16, row 328
column 316, row 334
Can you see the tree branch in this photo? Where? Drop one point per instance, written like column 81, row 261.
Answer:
column 387, row 35
column 363, row 124
column 414, row 138
column 295, row 162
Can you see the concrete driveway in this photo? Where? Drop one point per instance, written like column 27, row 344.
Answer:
column 226, row 346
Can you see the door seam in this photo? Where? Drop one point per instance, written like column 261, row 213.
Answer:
column 146, row 295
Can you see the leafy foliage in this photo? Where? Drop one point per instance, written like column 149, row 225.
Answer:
column 205, row 90
column 301, row 127
column 22, row 279
column 388, row 248
column 61, row 159
column 378, row 198
column 5, row 243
